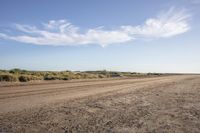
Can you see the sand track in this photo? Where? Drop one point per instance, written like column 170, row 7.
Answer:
column 118, row 105
column 19, row 91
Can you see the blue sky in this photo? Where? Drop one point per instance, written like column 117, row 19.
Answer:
column 122, row 35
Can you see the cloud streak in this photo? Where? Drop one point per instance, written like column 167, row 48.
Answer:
column 61, row 32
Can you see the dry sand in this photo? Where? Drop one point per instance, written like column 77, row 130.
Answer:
column 159, row 104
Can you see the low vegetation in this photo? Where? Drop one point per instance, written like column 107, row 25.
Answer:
column 18, row 75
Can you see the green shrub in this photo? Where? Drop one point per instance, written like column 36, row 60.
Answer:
column 8, row 77
column 17, row 71
column 50, row 77
column 65, row 78
column 24, row 78
column 24, row 75
column 36, row 77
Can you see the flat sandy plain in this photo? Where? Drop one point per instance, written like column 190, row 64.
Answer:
column 156, row 104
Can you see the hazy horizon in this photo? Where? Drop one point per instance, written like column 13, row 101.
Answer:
column 99, row 70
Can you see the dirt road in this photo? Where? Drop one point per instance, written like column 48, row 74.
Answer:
column 159, row 104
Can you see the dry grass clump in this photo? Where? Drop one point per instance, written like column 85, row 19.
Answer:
column 25, row 76
column 8, row 77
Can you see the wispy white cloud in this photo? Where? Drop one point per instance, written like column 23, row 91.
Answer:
column 166, row 24
column 62, row 32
